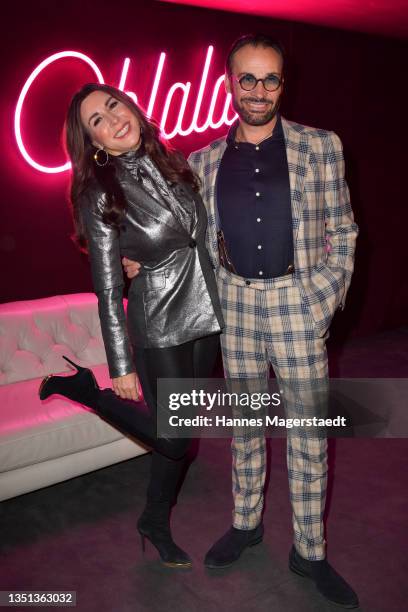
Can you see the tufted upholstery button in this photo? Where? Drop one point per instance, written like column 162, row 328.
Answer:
column 35, row 335
column 192, row 243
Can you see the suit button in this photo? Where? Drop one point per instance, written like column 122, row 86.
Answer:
column 192, row 244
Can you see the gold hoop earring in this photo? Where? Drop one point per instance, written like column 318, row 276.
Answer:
column 96, row 157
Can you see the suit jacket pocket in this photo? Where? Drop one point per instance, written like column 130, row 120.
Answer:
column 323, row 291
column 153, row 282
column 145, row 306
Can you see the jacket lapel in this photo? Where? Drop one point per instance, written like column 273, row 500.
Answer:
column 139, row 198
column 297, row 153
column 185, row 190
column 211, row 166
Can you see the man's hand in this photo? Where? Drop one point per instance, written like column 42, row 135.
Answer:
column 127, row 386
column 132, row 268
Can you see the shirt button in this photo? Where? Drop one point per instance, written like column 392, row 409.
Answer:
column 256, row 148
column 259, row 246
column 256, row 169
column 257, row 194
column 260, row 272
column 258, row 220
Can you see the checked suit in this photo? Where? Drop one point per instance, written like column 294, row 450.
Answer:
column 284, row 321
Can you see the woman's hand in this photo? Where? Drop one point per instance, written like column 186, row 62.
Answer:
column 132, row 268
column 127, row 386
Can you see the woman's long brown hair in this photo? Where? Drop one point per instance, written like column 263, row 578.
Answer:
column 172, row 165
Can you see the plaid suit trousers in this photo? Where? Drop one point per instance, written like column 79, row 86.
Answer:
column 269, row 323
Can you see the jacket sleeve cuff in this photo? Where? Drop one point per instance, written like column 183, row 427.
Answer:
column 114, row 332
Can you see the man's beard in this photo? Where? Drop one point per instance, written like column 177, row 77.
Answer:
column 252, row 118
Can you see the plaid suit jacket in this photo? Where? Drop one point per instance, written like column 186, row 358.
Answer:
column 321, row 213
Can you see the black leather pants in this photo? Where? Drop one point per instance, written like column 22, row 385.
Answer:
column 195, row 359
column 189, row 360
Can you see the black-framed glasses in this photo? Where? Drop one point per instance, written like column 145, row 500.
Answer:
column 248, row 82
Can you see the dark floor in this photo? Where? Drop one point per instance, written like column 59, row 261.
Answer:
column 80, row 535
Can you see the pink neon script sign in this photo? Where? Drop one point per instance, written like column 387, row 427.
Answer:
column 179, row 86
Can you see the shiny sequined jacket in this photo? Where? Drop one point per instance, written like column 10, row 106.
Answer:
column 174, row 298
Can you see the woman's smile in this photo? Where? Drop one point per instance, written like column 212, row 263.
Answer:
column 123, row 131
column 109, row 123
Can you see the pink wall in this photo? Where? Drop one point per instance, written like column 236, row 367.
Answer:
column 338, row 80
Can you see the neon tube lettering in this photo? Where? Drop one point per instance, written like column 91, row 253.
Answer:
column 22, row 97
column 210, row 122
column 156, row 82
column 185, row 87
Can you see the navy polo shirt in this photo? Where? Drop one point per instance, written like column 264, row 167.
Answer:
column 254, row 205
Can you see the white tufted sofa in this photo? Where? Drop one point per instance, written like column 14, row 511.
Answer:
column 42, row 443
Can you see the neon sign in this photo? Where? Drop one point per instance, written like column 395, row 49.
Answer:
column 185, row 88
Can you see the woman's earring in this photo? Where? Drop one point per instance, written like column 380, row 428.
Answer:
column 101, row 162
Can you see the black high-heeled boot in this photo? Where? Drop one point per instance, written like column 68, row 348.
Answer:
column 126, row 415
column 81, row 387
column 154, row 522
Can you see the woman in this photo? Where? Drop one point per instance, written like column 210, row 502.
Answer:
column 133, row 196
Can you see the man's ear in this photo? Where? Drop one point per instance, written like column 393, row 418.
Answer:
column 227, row 83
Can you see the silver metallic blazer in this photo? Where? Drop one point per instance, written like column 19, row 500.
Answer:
column 174, row 298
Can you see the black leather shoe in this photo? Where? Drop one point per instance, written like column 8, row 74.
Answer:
column 232, row 544
column 328, row 582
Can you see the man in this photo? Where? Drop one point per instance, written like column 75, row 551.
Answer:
column 277, row 191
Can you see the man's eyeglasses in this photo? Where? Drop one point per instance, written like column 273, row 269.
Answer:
column 248, row 82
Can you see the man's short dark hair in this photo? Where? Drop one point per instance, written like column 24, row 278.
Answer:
column 255, row 40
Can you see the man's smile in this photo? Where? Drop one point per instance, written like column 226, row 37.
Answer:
column 256, row 105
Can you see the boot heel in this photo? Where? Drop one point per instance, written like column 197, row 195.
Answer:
column 76, row 366
column 82, row 369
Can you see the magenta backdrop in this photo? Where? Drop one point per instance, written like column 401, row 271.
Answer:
column 343, row 81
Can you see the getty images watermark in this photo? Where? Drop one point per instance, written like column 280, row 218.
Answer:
column 212, row 408
column 239, row 402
